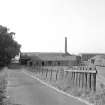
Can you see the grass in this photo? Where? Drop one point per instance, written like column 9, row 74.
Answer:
column 3, row 86
column 98, row 97
column 3, row 83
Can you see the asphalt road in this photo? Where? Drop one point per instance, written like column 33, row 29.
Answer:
column 25, row 90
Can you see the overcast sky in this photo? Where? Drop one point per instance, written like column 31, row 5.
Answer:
column 41, row 25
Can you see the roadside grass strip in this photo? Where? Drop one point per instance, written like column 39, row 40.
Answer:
column 56, row 89
column 3, row 87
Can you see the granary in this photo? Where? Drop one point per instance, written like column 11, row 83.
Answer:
column 50, row 59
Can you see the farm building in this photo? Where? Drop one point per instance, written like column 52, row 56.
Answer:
column 98, row 60
column 50, row 59
column 87, row 56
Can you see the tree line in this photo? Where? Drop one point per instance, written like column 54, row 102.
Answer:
column 9, row 47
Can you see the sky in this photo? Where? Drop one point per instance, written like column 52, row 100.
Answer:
column 41, row 25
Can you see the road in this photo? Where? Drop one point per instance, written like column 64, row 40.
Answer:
column 25, row 90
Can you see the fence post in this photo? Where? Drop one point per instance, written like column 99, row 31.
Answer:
column 82, row 80
column 94, row 82
column 66, row 74
column 73, row 78
column 57, row 74
column 90, row 81
column 51, row 75
column 42, row 71
column 86, row 80
column 46, row 72
column 62, row 74
column 77, row 79
column 71, row 75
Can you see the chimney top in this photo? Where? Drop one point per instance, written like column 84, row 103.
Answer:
column 66, row 45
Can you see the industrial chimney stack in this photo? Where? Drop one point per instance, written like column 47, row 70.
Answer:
column 66, row 45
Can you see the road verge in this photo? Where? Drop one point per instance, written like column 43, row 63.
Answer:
column 55, row 88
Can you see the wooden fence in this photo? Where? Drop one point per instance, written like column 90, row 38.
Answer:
column 80, row 78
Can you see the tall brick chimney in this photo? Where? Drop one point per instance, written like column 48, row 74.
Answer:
column 66, row 45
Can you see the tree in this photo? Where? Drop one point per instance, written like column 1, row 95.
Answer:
column 9, row 48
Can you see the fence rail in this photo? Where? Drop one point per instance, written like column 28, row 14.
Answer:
column 82, row 71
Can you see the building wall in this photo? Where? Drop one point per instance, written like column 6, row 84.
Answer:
column 57, row 60
column 53, row 63
column 86, row 57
